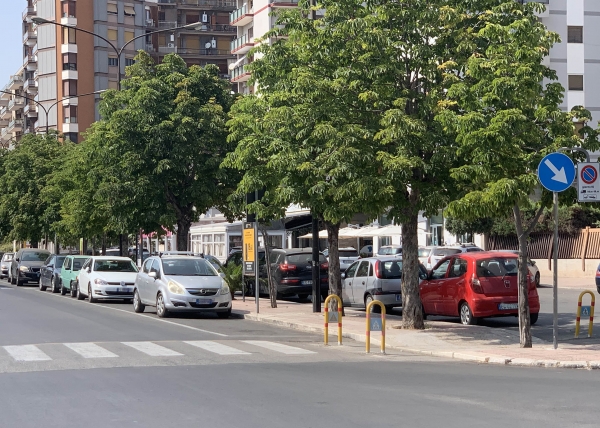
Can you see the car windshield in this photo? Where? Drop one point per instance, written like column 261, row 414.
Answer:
column 114, row 266
column 424, row 252
column 188, row 267
column 306, row 258
column 60, row 261
column 77, row 263
column 7, row 257
column 31, row 256
column 497, row 266
column 348, row 253
column 445, row 251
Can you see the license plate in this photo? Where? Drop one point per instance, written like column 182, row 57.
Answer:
column 203, row 301
column 398, row 297
column 306, row 282
column 508, row 306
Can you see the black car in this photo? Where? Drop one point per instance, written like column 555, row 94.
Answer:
column 235, row 258
column 292, row 272
column 50, row 273
column 26, row 265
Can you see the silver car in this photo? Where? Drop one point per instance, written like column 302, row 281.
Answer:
column 534, row 271
column 5, row 264
column 178, row 283
column 375, row 278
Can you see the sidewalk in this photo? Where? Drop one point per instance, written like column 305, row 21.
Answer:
column 571, row 282
column 444, row 339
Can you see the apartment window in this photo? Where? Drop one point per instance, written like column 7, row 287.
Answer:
column 69, row 88
column 129, row 10
column 129, row 35
column 112, row 62
column 129, row 61
column 111, row 8
column 112, row 34
column 575, row 35
column 575, row 82
column 69, row 36
column 71, row 136
column 70, row 114
column 68, row 9
column 69, row 61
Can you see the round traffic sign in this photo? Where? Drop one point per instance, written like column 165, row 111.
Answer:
column 588, row 174
column 556, row 172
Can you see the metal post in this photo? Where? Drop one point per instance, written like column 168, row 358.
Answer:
column 555, row 276
column 316, row 284
column 256, row 267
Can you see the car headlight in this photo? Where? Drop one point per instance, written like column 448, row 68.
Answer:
column 224, row 289
column 24, row 268
column 175, row 288
column 100, row 281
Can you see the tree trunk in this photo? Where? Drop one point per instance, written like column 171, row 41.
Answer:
column 335, row 276
column 524, row 321
column 272, row 287
column 412, row 309
column 183, row 230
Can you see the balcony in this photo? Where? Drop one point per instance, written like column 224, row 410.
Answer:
column 283, row 3
column 150, row 23
column 203, row 52
column 4, row 134
column 205, row 4
column 31, row 63
column 30, row 86
column 241, row 16
column 29, row 11
column 15, row 82
column 5, row 114
column 214, row 28
column 149, row 47
column 30, row 109
column 16, row 103
column 167, row 49
column 167, row 24
column 15, row 125
column 4, row 122
column 240, row 74
column 242, row 45
column 30, row 37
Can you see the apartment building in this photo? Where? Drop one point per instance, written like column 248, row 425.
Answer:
column 13, row 118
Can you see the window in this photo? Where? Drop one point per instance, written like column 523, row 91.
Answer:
column 129, row 61
column 70, row 114
column 112, row 62
column 351, row 270
column 69, row 61
column 69, row 88
column 155, row 266
column 68, row 9
column 575, row 82
column 67, row 264
column 111, row 8
column 363, row 269
column 69, row 36
column 111, row 34
column 146, row 268
column 129, row 10
column 575, row 35
column 72, row 137
column 129, row 35
column 459, row 268
column 440, row 271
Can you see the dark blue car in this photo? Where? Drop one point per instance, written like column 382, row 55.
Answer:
column 50, row 273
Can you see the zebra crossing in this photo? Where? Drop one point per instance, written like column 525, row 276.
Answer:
column 143, row 351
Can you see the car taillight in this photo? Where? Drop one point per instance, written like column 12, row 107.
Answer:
column 324, row 266
column 378, row 272
column 284, row 267
column 476, row 285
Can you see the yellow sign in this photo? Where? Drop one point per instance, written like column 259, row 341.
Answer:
column 248, row 242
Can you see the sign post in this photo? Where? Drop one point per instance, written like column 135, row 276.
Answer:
column 249, row 256
column 556, row 173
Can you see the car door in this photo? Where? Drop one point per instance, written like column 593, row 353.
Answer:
column 431, row 290
column 453, row 288
column 347, row 284
column 84, row 276
column 46, row 271
column 66, row 272
column 359, row 285
column 142, row 280
column 153, row 283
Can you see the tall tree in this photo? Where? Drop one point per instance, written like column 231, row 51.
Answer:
column 162, row 140
column 505, row 110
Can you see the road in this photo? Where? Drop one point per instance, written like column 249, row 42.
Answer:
column 68, row 363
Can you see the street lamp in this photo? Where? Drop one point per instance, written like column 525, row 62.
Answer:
column 47, row 110
column 37, row 20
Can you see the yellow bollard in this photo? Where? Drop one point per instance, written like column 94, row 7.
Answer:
column 368, row 344
column 339, row 318
column 591, row 323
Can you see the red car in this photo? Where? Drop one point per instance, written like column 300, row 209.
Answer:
column 476, row 285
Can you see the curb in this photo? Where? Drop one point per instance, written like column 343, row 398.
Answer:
column 462, row 356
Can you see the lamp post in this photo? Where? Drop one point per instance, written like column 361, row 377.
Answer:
column 47, row 110
column 119, row 51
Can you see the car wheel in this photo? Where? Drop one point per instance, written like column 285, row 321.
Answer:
column 224, row 314
column 90, row 296
column 389, row 309
column 138, row 306
column 533, row 318
column 42, row 286
column 19, row 282
column 537, row 279
column 73, row 288
column 55, row 287
column 161, row 311
column 78, row 291
column 369, row 299
column 466, row 316
column 63, row 290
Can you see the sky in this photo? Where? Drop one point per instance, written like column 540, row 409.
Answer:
column 11, row 45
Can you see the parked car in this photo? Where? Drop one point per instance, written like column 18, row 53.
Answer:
column 105, row 277
column 292, row 272
column 50, row 273
column 366, row 251
column 68, row 274
column 533, row 269
column 375, row 278
column 424, row 253
column 132, row 252
column 438, row 253
column 347, row 256
column 390, row 250
column 181, row 284
column 214, row 262
column 5, row 264
column 476, row 285
column 25, row 266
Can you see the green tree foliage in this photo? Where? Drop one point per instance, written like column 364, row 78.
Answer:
column 159, row 146
column 463, row 227
column 505, row 109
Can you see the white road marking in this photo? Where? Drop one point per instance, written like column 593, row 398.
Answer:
column 26, row 353
column 152, row 349
column 278, row 347
column 216, row 348
column 90, row 350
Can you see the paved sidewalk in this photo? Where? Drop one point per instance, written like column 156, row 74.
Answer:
column 444, row 339
column 571, row 282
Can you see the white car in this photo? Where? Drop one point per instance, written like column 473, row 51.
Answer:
column 534, row 271
column 106, row 277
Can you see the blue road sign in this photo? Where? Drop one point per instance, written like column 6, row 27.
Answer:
column 586, row 311
column 556, row 172
column 375, row 324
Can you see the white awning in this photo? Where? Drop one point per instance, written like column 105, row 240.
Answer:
column 347, row 232
column 389, row 230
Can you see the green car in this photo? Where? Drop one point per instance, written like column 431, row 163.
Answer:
column 68, row 274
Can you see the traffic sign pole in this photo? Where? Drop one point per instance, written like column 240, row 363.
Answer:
column 555, row 276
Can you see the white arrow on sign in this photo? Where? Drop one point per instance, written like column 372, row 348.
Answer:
column 559, row 175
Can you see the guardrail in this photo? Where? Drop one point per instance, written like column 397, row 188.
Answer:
column 586, row 311
column 333, row 317
column 375, row 324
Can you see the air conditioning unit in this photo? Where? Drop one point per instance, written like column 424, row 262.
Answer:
column 170, row 45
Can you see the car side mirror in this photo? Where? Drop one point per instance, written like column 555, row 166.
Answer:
column 51, row 266
column 87, row 269
column 152, row 275
column 343, row 275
